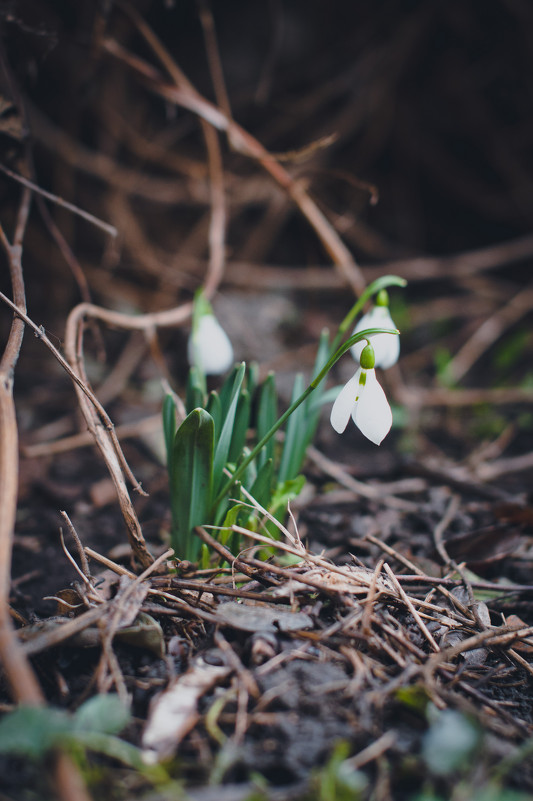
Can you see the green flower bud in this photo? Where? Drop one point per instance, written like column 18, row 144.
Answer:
column 382, row 298
column 367, row 360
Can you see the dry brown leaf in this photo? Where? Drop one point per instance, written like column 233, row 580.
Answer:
column 175, row 711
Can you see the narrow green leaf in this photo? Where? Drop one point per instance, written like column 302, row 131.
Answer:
column 240, row 426
column 312, row 405
column 294, row 436
column 224, row 440
column 214, row 407
column 169, row 426
column 192, row 481
column 205, row 556
column 302, row 425
column 250, row 473
column 285, row 492
column 327, row 396
column 252, row 378
column 234, row 515
column 267, row 413
column 220, row 511
column 226, row 390
column 195, row 390
column 114, row 747
column 261, row 489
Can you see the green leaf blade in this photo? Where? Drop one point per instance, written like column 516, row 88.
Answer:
column 169, row 426
column 224, row 440
column 195, row 390
column 240, row 426
column 192, row 481
column 267, row 414
column 294, row 445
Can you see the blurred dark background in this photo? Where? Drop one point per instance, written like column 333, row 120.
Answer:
column 431, row 102
column 409, row 123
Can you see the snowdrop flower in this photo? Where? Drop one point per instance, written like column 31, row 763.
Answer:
column 364, row 400
column 386, row 346
column 209, row 347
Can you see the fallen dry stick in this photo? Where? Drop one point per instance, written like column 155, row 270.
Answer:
column 18, row 671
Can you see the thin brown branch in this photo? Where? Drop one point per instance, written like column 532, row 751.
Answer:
column 405, row 598
column 40, row 333
column 147, row 425
column 217, row 223
column 185, row 95
column 179, row 603
column 97, row 418
column 419, row 397
column 488, row 332
column 500, row 637
column 504, row 467
column 69, row 784
column 359, row 488
column 24, row 685
column 213, row 56
column 109, row 229
column 416, row 269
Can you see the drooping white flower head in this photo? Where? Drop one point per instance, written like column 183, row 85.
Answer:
column 364, row 400
column 209, row 347
column 386, row 346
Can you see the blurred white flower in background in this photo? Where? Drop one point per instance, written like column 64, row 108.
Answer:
column 386, row 346
column 209, row 347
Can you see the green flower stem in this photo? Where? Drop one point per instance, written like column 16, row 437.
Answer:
column 305, row 394
column 372, row 289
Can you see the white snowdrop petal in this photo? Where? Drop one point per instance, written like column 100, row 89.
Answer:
column 390, row 350
column 344, row 404
column 386, row 346
column 372, row 414
column 210, row 347
column 364, row 322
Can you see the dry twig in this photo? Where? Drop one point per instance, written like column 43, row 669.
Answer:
column 18, row 671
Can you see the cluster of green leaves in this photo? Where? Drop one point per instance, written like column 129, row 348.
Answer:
column 225, row 445
column 455, row 755
column 338, row 780
column 34, row 731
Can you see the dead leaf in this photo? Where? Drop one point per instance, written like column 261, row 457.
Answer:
column 520, row 646
column 262, row 618
column 483, row 547
column 127, row 603
column 353, row 580
column 144, row 633
column 175, row 711
column 514, row 513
